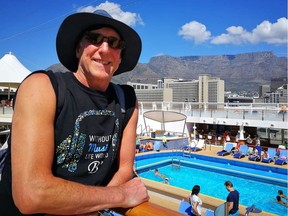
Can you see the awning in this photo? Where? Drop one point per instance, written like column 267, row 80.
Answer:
column 164, row 117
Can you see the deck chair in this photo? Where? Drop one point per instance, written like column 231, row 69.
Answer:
column 199, row 145
column 227, row 150
column 185, row 207
column 252, row 209
column 221, row 210
column 242, row 152
column 209, row 212
column 271, row 154
column 191, row 144
column 283, row 157
column 256, row 157
column 194, row 145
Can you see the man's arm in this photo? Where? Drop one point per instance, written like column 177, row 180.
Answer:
column 229, row 206
column 34, row 188
column 127, row 151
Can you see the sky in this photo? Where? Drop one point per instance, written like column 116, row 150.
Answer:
column 166, row 27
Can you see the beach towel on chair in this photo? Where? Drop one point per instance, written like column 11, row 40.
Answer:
column 271, row 155
column 242, row 152
column 256, row 157
column 283, row 157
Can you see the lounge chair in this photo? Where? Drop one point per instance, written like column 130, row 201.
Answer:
column 227, row 150
column 209, row 212
column 242, row 152
column 283, row 158
column 271, row 155
column 199, row 145
column 256, row 157
column 195, row 145
column 185, row 207
column 252, row 209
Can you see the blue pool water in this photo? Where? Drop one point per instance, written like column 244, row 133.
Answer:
column 257, row 184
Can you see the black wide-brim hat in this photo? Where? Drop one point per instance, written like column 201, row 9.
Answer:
column 73, row 27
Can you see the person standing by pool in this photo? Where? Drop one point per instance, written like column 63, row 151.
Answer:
column 232, row 199
column 195, row 201
column 164, row 141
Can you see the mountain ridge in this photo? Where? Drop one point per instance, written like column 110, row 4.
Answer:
column 241, row 72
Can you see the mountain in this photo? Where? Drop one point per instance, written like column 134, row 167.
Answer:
column 241, row 72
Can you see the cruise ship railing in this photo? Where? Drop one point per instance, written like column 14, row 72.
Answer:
column 6, row 110
column 249, row 111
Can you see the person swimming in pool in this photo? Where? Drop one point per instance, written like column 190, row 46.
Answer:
column 166, row 181
column 157, row 173
column 280, row 197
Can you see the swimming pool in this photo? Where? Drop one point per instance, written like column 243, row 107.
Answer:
column 257, row 184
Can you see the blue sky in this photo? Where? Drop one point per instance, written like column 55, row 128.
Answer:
column 176, row 28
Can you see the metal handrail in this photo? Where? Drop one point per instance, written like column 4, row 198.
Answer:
column 247, row 111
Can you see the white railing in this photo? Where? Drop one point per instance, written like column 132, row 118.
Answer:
column 248, row 111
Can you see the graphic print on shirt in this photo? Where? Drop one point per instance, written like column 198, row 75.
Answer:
column 70, row 150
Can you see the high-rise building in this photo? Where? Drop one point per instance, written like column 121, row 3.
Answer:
column 263, row 89
column 205, row 89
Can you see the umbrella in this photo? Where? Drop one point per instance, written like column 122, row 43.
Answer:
column 12, row 72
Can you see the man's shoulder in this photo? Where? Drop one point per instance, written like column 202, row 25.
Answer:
column 236, row 192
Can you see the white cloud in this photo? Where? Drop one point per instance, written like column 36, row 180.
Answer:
column 266, row 32
column 272, row 33
column 195, row 31
column 236, row 35
column 115, row 11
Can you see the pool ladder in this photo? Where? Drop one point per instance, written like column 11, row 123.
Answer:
column 186, row 153
column 175, row 162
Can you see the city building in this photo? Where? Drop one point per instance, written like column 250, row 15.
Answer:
column 279, row 96
column 263, row 89
column 205, row 89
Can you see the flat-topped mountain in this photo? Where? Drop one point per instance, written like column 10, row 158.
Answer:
column 240, row 72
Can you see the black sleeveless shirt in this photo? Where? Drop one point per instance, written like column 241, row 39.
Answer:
column 88, row 131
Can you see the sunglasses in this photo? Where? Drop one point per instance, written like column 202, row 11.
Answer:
column 97, row 39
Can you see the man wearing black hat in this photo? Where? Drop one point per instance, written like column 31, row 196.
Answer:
column 71, row 149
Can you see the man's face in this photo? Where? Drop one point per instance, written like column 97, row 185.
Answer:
column 97, row 56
